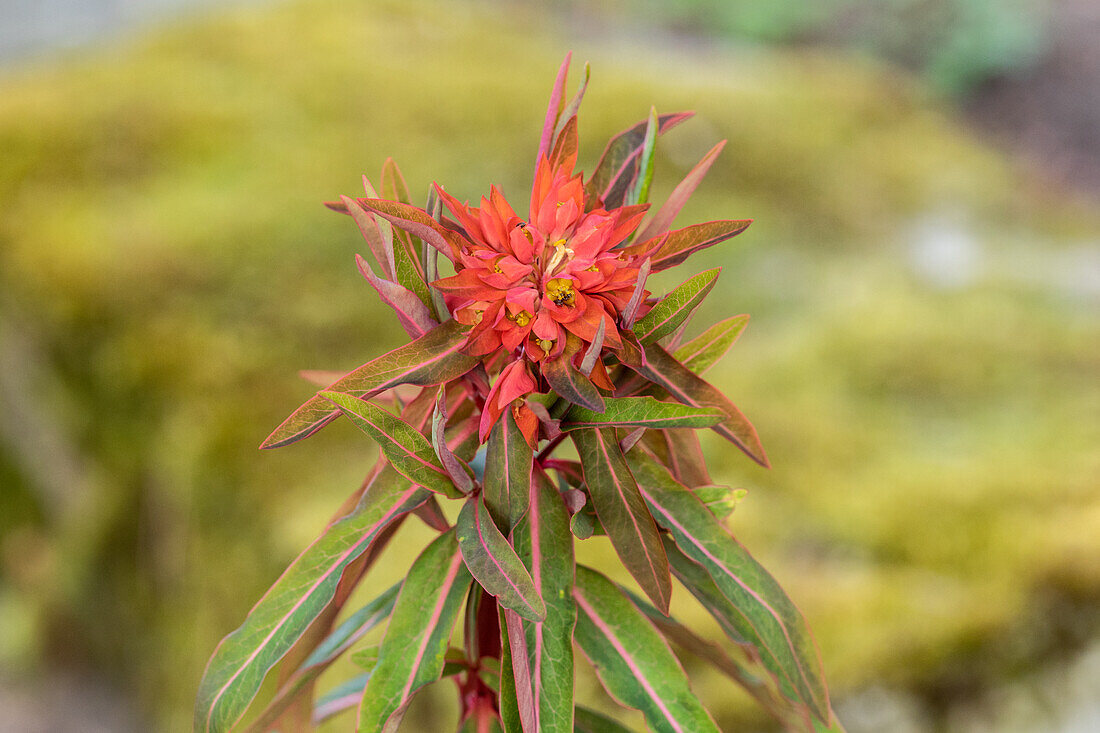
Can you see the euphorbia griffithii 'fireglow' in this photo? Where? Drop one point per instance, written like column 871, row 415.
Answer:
column 545, row 331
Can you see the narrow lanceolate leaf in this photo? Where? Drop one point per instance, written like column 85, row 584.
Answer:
column 679, row 196
column 566, row 146
column 543, row 541
column 239, row 664
column 682, row 243
column 518, row 711
column 508, row 462
column 703, row 351
column 661, row 368
column 553, row 109
column 570, row 384
column 570, row 109
column 623, row 513
column 639, row 192
column 335, row 644
column 619, row 163
column 435, row 357
column 762, row 613
column 494, row 563
column 740, row 662
column 413, row 651
column 458, row 471
column 418, row 223
column 380, row 245
column 674, row 308
column 408, row 451
column 640, row 412
column 414, row 316
column 633, row 662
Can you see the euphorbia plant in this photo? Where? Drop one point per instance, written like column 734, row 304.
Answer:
column 545, row 333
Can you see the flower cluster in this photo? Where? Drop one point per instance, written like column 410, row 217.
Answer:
column 525, row 285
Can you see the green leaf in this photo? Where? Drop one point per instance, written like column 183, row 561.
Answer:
column 759, row 609
column 508, row 463
column 408, row 451
column 741, row 663
column 623, row 512
column 640, row 412
column 633, row 662
column 639, row 192
column 662, row 369
column 495, row 564
column 435, row 357
column 703, row 351
column 589, row 721
column 244, row 657
column 413, row 651
column 568, row 382
column 409, row 270
column 617, row 168
column 334, row 645
column 543, row 541
column 674, row 308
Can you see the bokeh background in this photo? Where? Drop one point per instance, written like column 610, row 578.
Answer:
column 923, row 362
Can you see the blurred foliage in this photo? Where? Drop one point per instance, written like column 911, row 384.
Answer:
column 953, row 44
column 166, row 267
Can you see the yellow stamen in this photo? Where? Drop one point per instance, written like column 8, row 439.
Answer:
column 561, row 292
column 521, row 319
column 546, row 345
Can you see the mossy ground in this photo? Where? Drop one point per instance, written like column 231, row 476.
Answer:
column 167, row 267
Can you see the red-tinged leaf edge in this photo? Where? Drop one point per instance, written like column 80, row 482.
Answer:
column 553, row 109
column 662, row 369
column 413, row 315
column 702, row 538
column 435, row 357
column 610, row 178
column 408, row 451
column 418, row 223
column 570, row 384
column 243, row 658
column 672, row 248
column 494, row 563
column 623, row 513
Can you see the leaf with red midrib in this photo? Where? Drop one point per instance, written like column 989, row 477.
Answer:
column 410, row 453
column 761, row 612
column 632, row 660
column 623, row 513
column 662, row 369
column 413, row 651
column 435, row 357
column 239, row 664
column 494, row 563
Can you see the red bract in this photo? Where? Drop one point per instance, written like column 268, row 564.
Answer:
column 524, row 284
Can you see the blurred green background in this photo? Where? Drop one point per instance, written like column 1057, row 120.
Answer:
column 923, row 362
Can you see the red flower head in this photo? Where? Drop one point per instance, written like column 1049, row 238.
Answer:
column 527, row 285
